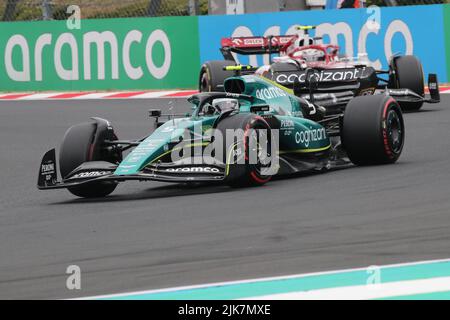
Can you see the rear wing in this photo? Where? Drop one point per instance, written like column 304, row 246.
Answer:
column 253, row 45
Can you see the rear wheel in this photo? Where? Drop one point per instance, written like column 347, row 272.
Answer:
column 373, row 130
column 212, row 75
column 407, row 73
column 82, row 143
column 248, row 155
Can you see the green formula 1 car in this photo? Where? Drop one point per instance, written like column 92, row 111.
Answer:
column 273, row 132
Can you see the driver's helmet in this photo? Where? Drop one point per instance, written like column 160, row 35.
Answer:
column 224, row 104
column 305, row 41
column 311, row 55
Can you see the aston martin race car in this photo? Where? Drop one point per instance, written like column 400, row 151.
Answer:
column 253, row 131
column 335, row 72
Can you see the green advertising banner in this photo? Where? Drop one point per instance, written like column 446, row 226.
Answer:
column 447, row 36
column 104, row 54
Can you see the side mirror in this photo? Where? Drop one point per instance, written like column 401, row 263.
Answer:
column 154, row 113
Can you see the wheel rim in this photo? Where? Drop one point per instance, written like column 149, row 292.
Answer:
column 394, row 131
column 260, row 151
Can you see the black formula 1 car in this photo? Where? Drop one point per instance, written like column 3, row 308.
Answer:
column 335, row 74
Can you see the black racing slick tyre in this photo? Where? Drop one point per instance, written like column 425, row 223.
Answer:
column 212, row 75
column 244, row 167
column 407, row 73
column 373, row 130
column 82, row 143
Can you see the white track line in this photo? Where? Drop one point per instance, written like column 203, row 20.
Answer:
column 217, row 284
column 108, row 95
column 92, row 95
column 37, row 96
column 150, row 95
column 366, row 292
column 89, row 96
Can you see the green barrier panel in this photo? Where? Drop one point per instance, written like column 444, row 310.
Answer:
column 447, row 36
column 137, row 53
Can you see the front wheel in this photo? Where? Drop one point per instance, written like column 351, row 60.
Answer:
column 373, row 130
column 84, row 142
column 407, row 73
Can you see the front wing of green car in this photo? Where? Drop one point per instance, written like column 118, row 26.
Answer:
column 96, row 171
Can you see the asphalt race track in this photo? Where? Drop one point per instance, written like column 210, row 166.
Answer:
column 154, row 235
